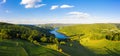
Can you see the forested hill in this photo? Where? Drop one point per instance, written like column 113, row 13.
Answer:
column 26, row 40
column 92, row 31
column 26, row 32
column 43, row 30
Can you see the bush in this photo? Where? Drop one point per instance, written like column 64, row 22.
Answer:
column 62, row 43
column 43, row 39
column 53, row 46
column 60, row 50
column 71, row 44
column 35, row 42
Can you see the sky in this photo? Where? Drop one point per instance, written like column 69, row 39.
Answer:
column 59, row 11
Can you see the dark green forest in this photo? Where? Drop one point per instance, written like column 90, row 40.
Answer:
column 26, row 32
column 27, row 40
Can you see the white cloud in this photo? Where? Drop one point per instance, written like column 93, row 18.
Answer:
column 54, row 7
column 79, row 15
column 66, row 6
column 3, row 1
column 32, row 3
column 40, row 5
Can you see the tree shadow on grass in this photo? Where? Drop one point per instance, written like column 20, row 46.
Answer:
column 76, row 49
column 111, row 52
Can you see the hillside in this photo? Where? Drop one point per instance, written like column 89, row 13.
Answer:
column 92, row 31
column 27, row 32
column 26, row 40
column 24, row 48
column 94, row 39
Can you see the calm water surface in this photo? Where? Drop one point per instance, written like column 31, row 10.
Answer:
column 57, row 34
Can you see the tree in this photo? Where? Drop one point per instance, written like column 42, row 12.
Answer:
column 35, row 42
column 60, row 50
column 43, row 39
column 24, row 36
column 51, row 38
column 4, row 34
column 116, row 37
column 55, row 41
column 62, row 43
column 30, row 38
column 0, row 37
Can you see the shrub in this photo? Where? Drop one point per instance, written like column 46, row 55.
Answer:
column 62, row 43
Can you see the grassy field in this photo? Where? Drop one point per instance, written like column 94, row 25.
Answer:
column 24, row 48
column 102, row 47
column 75, row 49
column 88, row 47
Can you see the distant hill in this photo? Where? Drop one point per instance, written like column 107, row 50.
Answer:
column 52, row 25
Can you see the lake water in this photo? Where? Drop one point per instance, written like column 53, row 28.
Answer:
column 57, row 34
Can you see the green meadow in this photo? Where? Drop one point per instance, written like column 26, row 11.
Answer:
column 102, row 47
column 25, row 48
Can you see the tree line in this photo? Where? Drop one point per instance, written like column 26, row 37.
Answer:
column 26, row 32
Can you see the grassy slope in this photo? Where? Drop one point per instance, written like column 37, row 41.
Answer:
column 102, row 47
column 24, row 48
column 85, row 28
column 76, row 49
column 88, row 47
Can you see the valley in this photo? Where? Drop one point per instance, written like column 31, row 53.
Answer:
column 69, row 40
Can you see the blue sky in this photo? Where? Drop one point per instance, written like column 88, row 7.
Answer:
column 59, row 11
